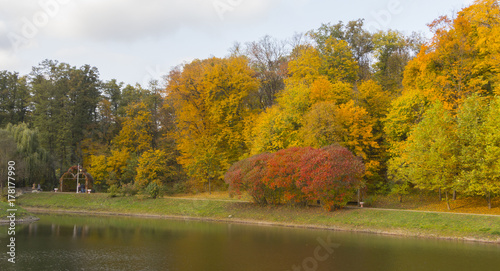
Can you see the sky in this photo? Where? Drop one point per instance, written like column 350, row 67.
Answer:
column 136, row 41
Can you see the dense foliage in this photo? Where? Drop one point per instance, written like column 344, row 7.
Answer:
column 331, row 174
column 419, row 114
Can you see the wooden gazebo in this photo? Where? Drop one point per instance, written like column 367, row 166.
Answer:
column 68, row 181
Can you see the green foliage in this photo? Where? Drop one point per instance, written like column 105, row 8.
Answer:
column 129, row 189
column 153, row 190
column 14, row 98
column 34, row 165
column 113, row 191
column 64, row 99
column 432, row 151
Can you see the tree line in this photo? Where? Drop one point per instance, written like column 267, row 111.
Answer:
column 387, row 97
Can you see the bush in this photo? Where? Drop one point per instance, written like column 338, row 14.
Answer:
column 153, row 190
column 179, row 188
column 113, row 191
column 247, row 175
column 129, row 189
column 331, row 174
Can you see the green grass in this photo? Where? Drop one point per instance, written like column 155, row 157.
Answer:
column 366, row 219
column 20, row 213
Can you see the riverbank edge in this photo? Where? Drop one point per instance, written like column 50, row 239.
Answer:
column 389, row 232
column 28, row 219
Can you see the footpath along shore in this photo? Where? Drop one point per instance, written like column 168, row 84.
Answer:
column 409, row 223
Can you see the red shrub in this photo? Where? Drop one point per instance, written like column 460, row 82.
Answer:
column 282, row 175
column 247, row 175
column 331, row 174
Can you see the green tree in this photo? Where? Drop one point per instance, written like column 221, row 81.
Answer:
column 432, row 156
column 65, row 100
column 359, row 41
column 14, row 98
column 489, row 184
column 470, row 118
column 393, row 51
column 8, row 152
column 37, row 165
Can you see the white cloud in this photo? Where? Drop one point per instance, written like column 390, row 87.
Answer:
column 129, row 20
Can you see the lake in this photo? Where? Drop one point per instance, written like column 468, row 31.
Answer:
column 72, row 242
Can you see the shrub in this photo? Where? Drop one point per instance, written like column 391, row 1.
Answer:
column 246, row 175
column 113, row 191
column 282, row 175
column 129, row 189
column 331, row 174
column 179, row 188
column 153, row 190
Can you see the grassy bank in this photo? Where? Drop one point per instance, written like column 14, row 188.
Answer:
column 442, row 225
column 21, row 214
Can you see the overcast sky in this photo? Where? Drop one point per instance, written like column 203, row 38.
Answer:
column 135, row 41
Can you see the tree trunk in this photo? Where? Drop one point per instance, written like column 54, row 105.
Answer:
column 359, row 196
column 447, row 200
column 454, row 194
column 489, row 200
column 440, row 197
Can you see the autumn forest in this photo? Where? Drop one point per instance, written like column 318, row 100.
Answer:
column 393, row 111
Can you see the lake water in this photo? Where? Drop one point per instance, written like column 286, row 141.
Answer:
column 66, row 242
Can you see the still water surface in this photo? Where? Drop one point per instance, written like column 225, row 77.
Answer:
column 68, row 242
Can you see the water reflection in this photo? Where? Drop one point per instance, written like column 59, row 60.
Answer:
column 61, row 242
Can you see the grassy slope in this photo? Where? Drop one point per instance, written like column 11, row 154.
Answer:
column 366, row 219
column 20, row 213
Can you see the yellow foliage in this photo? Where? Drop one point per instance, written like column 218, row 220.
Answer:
column 210, row 101
column 98, row 168
column 322, row 90
column 306, row 65
column 136, row 133
column 462, row 57
column 152, row 167
column 117, row 164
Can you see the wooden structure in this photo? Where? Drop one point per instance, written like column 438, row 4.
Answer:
column 68, row 181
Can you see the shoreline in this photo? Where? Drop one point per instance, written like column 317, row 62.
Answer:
column 28, row 219
column 395, row 232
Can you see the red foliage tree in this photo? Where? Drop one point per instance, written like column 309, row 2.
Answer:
column 283, row 177
column 330, row 174
column 247, row 175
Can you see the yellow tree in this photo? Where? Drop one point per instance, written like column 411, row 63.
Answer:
column 305, row 64
column 136, row 134
column 277, row 127
column 322, row 90
column 348, row 125
column 432, row 151
column 210, row 98
column 120, row 166
column 462, row 57
column 98, row 169
column 337, row 61
column 153, row 166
